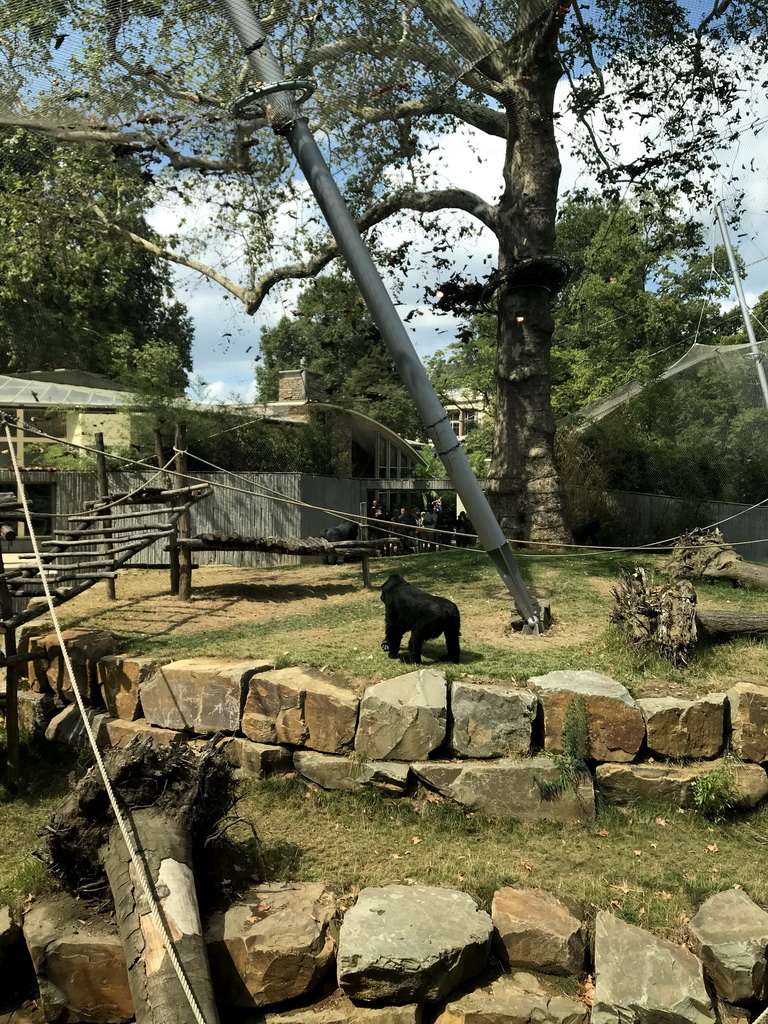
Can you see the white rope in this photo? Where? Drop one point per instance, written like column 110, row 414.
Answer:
column 119, row 817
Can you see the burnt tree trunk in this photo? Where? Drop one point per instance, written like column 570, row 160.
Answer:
column 523, row 485
column 707, row 556
column 167, row 854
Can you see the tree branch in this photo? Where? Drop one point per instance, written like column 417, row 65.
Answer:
column 464, row 35
column 421, row 202
column 145, row 141
column 244, row 294
column 492, row 122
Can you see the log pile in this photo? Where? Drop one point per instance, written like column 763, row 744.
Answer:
column 282, row 545
column 706, row 555
column 667, row 618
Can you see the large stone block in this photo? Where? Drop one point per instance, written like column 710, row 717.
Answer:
column 730, row 935
column 79, row 962
column 615, row 723
column 676, row 727
column 120, row 677
column 35, row 711
column 117, row 732
column 299, row 707
column 518, row 998
column 403, row 719
column 411, row 944
column 645, row 979
column 339, row 1009
column 538, row 931
column 625, row 783
column 68, row 726
column 351, row 774
column 258, row 759
column 509, row 788
column 748, row 704
column 491, row 721
column 202, row 695
column 273, row 945
column 85, row 647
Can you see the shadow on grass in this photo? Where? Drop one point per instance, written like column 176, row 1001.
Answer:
column 275, row 592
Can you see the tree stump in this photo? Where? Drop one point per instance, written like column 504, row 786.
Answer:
column 706, row 555
column 663, row 616
column 173, row 800
column 667, row 617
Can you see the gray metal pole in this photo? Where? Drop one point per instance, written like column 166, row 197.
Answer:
column 756, row 354
column 286, row 118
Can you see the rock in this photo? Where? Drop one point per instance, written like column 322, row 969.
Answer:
column 411, row 943
column 684, row 728
column 85, row 647
column 645, row 979
column 730, row 935
column 35, row 711
column 300, row 707
column 258, row 759
column 333, row 772
column 517, row 998
column 202, row 695
column 273, row 945
column 624, row 783
column 120, row 677
column 68, row 727
column 79, row 962
column 748, row 703
column 615, row 723
column 339, row 1009
column 539, row 931
column 491, row 721
column 403, row 719
column 116, row 732
column 15, row 966
column 508, row 788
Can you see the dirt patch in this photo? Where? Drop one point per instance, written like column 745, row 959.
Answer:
column 221, row 596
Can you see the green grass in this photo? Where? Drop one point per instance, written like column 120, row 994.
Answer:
column 652, row 865
column 348, row 840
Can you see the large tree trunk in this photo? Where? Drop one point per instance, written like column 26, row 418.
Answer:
column 523, row 484
column 158, row 997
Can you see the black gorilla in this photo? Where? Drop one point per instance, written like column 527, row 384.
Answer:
column 426, row 616
column 341, row 531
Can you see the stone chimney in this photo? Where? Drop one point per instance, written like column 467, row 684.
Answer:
column 300, row 386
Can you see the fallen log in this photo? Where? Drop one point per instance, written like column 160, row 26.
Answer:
column 706, row 555
column 667, row 618
column 173, row 799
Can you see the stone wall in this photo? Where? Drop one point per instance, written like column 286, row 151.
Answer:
column 296, row 953
column 487, row 747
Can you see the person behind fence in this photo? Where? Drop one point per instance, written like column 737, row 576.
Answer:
column 428, row 523
column 408, row 523
column 464, row 531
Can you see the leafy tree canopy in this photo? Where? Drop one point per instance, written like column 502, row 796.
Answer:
column 72, row 294
column 332, row 333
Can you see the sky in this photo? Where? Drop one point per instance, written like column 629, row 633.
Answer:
column 227, row 340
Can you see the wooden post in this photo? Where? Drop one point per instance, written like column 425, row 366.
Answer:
column 366, row 572
column 173, row 548
column 103, row 485
column 11, row 689
column 184, row 527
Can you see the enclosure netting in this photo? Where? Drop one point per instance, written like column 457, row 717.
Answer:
column 698, row 431
column 135, row 154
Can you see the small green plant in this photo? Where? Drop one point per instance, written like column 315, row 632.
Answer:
column 714, row 794
column 572, row 763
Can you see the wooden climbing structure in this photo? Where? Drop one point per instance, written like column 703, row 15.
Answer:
column 97, row 542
